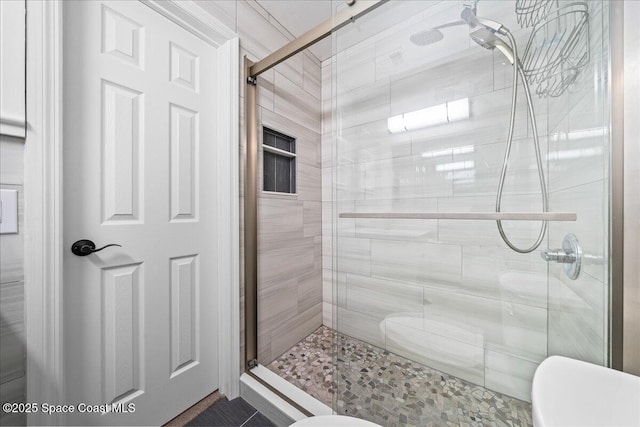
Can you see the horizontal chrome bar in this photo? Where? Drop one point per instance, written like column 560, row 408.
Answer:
column 490, row 216
column 339, row 20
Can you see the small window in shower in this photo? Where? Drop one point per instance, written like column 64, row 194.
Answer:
column 279, row 153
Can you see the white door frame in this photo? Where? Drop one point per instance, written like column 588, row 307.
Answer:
column 43, row 187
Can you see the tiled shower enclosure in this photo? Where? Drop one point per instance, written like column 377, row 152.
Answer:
column 450, row 294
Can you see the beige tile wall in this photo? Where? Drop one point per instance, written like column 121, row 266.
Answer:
column 289, row 238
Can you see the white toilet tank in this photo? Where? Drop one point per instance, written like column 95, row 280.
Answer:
column 568, row 392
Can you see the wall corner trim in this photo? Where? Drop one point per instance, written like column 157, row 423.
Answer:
column 43, row 207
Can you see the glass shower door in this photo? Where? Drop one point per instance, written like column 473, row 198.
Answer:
column 579, row 147
column 438, row 319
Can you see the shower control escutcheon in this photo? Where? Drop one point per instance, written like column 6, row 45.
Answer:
column 570, row 256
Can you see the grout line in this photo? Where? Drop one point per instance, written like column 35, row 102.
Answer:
column 12, row 281
column 247, row 420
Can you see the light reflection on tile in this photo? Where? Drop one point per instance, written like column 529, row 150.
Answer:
column 488, row 123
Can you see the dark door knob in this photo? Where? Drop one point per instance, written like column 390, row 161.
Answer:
column 85, row 247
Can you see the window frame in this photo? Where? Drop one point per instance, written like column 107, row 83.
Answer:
column 293, row 180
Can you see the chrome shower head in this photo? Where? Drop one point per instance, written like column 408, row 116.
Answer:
column 432, row 35
column 426, row 37
column 489, row 40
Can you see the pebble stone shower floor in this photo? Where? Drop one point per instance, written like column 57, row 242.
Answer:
column 391, row 390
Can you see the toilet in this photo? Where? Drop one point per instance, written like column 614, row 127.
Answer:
column 568, row 392
column 333, row 421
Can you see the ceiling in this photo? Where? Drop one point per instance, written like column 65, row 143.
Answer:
column 299, row 16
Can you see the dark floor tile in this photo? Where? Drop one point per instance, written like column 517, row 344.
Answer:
column 191, row 413
column 259, row 420
column 225, row 413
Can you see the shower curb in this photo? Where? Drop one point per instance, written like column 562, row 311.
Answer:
column 273, row 406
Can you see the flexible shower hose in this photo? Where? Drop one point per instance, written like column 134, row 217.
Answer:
column 517, row 69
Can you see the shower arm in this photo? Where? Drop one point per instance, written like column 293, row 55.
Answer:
column 473, row 6
column 517, row 70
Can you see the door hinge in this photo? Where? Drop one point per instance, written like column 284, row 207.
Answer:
column 252, row 363
column 252, row 80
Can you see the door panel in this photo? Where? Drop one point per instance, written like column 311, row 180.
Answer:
column 185, row 286
column 139, row 142
column 122, row 136
column 122, row 320
column 184, row 176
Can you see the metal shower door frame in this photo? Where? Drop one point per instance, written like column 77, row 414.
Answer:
column 252, row 70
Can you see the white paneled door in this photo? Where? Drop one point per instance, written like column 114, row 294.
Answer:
column 139, row 148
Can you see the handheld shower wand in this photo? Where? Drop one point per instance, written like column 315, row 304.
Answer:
column 489, row 40
column 486, row 37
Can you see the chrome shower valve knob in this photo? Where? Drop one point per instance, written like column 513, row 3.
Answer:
column 570, row 256
column 558, row 255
